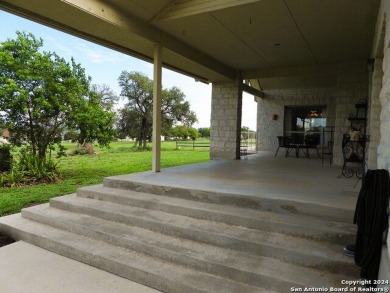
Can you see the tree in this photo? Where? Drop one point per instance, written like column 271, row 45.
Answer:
column 2, row 125
column 41, row 93
column 94, row 122
column 245, row 129
column 106, row 95
column 135, row 119
column 184, row 132
column 204, row 132
column 71, row 135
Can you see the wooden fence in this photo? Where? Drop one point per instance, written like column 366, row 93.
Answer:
column 191, row 144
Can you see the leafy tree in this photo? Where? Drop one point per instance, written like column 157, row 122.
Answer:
column 204, row 132
column 71, row 135
column 135, row 119
column 2, row 123
column 5, row 156
column 246, row 129
column 93, row 121
column 41, row 93
column 106, row 95
column 193, row 133
column 131, row 123
column 184, row 132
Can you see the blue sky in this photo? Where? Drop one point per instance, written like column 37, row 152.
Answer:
column 105, row 65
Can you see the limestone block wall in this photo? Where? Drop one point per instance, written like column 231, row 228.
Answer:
column 225, row 126
column 374, row 110
column 352, row 86
column 382, row 51
column 274, row 102
column 384, row 97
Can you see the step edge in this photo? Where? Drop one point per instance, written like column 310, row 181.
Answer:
column 223, row 197
column 289, row 280
column 184, row 230
column 92, row 258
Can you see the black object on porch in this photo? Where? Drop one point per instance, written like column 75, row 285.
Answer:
column 372, row 219
column 354, row 156
column 311, row 142
column 284, row 142
column 290, row 144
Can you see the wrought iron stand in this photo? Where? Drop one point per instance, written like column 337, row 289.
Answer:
column 353, row 154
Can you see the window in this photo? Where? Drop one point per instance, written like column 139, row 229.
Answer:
column 304, row 123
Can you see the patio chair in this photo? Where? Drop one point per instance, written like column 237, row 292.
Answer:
column 284, row 142
column 327, row 150
column 244, row 152
column 311, row 142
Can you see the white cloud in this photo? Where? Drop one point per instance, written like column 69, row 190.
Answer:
column 95, row 54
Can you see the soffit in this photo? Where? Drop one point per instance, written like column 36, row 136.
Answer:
column 308, row 31
column 215, row 38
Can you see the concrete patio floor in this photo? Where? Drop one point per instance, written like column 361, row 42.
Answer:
column 263, row 176
column 309, row 185
column 26, row 268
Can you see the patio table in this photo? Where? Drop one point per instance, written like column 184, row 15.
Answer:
column 305, row 149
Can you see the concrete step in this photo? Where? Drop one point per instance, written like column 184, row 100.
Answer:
column 141, row 268
column 238, row 266
column 260, row 202
column 291, row 224
column 5, row 240
column 309, row 253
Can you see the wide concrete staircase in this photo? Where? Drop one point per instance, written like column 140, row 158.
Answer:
column 178, row 240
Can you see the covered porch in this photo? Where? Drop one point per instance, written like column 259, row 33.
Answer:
column 264, row 224
column 297, row 184
column 296, row 214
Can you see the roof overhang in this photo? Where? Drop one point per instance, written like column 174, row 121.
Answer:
column 275, row 42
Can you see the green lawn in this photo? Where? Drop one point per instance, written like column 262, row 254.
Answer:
column 86, row 170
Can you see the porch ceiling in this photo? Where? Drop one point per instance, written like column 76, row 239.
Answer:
column 213, row 39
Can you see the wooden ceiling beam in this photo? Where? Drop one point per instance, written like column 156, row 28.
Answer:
column 185, row 8
column 252, row 91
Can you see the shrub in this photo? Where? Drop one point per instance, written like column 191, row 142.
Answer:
column 29, row 169
column 5, row 157
column 83, row 150
column 36, row 168
column 137, row 148
column 14, row 177
column 78, row 151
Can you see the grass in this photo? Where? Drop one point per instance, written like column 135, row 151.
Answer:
column 78, row 171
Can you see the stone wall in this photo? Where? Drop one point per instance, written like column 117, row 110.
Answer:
column 373, row 125
column 382, row 50
column 384, row 149
column 352, row 86
column 274, row 102
column 225, row 129
column 383, row 31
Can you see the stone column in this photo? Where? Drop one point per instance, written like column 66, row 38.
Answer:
column 374, row 111
column 384, row 149
column 225, row 130
column 352, row 86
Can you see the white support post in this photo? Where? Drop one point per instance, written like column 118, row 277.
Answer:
column 157, row 73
